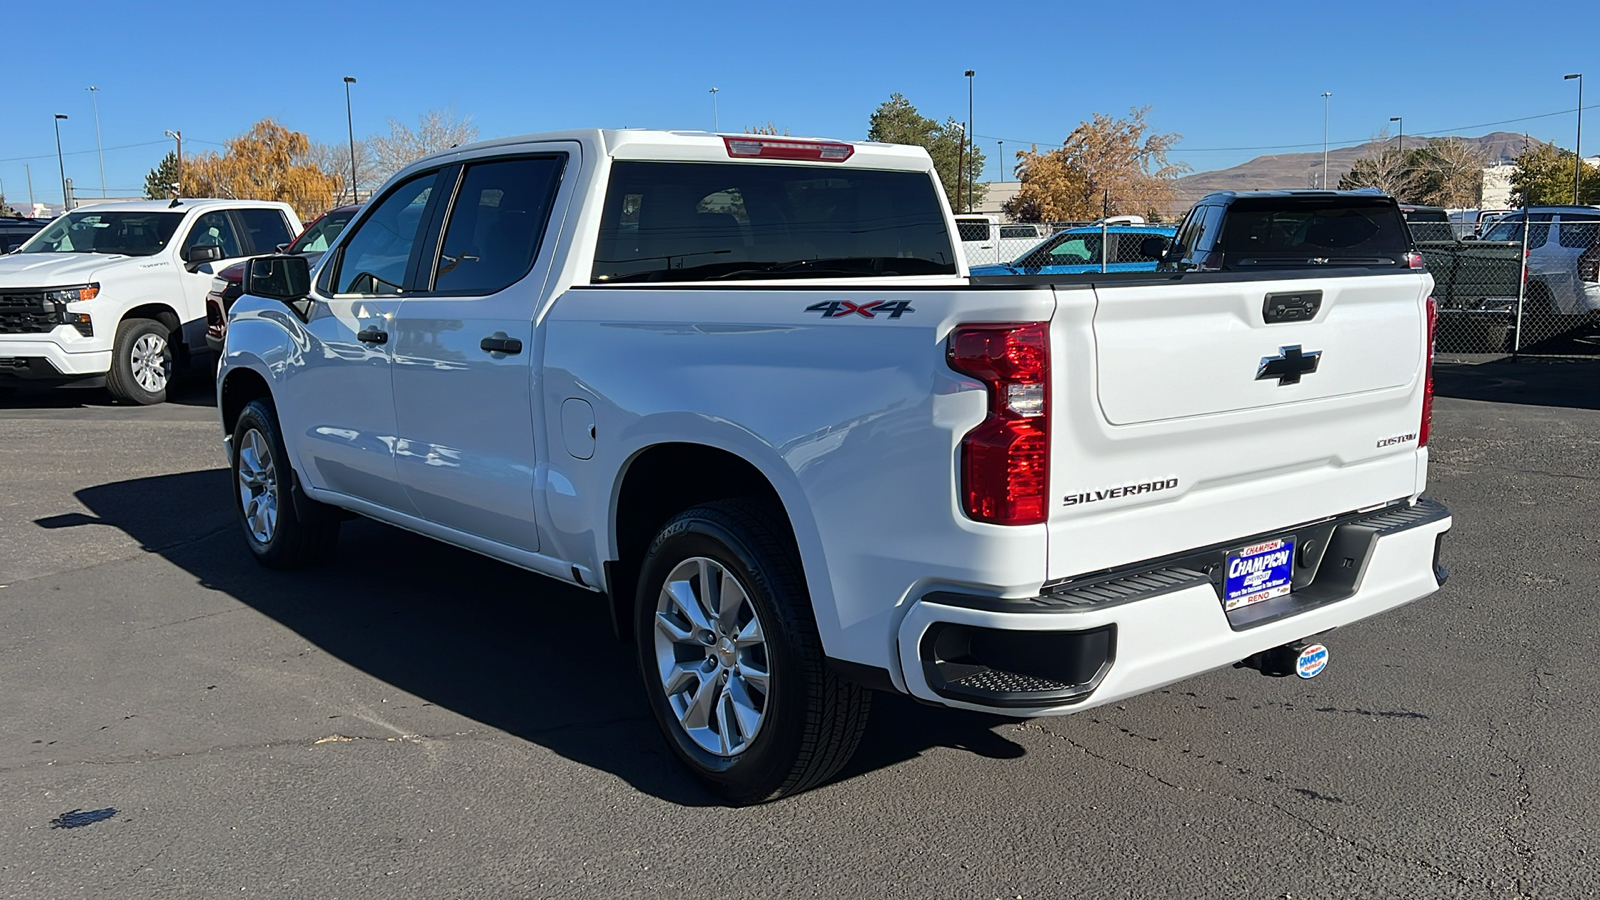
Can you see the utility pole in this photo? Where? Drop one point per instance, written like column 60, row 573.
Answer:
column 961, row 166
column 29, row 171
column 94, row 93
column 971, row 138
column 1577, row 148
column 714, row 124
column 61, row 161
column 177, row 189
column 1325, row 96
column 349, row 124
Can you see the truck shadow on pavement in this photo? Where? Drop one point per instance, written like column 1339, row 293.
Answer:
column 510, row 649
column 192, row 388
column 1536, row 381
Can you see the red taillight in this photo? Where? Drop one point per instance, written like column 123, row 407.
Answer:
column 783, row 148
column 1427, row 384
column 1005, row 461
column 1414, row 260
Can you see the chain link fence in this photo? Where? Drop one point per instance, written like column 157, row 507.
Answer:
column 1529, row 285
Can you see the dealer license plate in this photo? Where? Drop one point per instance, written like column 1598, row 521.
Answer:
column 1258, row 572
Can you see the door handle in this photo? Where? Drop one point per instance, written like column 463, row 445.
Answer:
column 371, row 335
column 499, row 343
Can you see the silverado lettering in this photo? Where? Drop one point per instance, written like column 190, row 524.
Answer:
column 1127, row 490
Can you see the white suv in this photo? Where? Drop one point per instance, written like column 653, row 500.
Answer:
column 1563, row 265
column 114, row 294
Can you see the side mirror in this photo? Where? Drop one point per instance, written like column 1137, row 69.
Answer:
column 1153, row 247
column 283, row 278
column 202, row 253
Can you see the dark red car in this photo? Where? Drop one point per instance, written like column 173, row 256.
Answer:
column 229, row 283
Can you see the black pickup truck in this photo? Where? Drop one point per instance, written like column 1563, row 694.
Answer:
column 1474, row 283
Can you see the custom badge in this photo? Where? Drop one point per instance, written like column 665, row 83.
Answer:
column 1311, row 661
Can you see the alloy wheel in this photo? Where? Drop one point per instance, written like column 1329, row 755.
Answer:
column 149, row 360
column 258, row 487
column 711, row 656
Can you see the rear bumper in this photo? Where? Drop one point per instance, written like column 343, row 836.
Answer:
column 1127, row 633
column 46, row 360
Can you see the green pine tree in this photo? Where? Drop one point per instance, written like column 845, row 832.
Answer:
column 896, row 121
column 158, row 184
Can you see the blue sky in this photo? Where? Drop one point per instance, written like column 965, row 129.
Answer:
column 1237, row 80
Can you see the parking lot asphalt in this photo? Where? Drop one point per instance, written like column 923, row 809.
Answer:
column 413, row 720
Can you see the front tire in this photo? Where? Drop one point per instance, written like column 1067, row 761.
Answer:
column 141, row 362
column 283, row 531
column 731, row 659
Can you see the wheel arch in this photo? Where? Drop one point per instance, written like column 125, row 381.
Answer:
column 239, row 386
column 160, row 312
column 660, row 481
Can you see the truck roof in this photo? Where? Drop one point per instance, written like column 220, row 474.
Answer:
column 1245, row 195
column 185, row 204
column 698, row 146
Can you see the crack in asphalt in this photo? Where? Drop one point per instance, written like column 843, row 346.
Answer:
column 1518, row 818
column 220, row 612
column 470, row 734
column 1326, row 832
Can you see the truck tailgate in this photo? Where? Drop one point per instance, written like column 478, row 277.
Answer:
column 1190, row 415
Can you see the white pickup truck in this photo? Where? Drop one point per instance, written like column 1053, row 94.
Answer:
column 114, row 294
column 742, row 389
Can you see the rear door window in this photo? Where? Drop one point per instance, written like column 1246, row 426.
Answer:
column 496, row 224
column 666, row 221
column 1077, row 249
column 973, row 230
column 1579, row 232
column 1295, row 231
column 266, row 229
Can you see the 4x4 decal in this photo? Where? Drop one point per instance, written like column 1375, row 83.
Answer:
column 833, row 309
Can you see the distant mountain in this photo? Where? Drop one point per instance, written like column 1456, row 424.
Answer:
column 1297, row 170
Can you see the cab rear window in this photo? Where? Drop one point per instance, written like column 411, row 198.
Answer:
column 666, row 222
column 1296, row 231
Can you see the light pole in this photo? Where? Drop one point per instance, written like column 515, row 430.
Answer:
column 28, row 170
column 971, row 138
column 1002, row 161
column 349, row 124
column 1577, row 150
column 61, row 162
column 714, row 125
column 177, row 189
column 1325, row 104
column 94, row 93
column 1402, row 121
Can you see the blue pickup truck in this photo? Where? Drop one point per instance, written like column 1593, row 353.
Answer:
column 1085, row 249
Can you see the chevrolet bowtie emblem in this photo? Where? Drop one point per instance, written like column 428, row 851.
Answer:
column 1290, row 363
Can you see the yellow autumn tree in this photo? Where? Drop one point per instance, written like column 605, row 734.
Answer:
column 1106, row 166
column 268, row 162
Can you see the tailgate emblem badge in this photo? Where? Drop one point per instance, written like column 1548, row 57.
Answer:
column 1290, row 363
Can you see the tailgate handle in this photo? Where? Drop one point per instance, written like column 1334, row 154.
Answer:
column 1292, row 306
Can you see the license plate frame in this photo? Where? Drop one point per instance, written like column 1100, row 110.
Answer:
column 1258, row 572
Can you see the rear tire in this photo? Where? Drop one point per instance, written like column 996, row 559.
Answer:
column 1546, row 323
column 283, row 531
column 731, row 659
column 141, row 362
